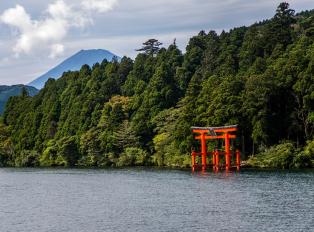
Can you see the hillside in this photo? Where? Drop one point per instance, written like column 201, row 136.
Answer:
column 140, row 112
column 13, row 90
column 74, row 63
column 301, row 16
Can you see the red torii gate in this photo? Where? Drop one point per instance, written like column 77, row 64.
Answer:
column 215, row 153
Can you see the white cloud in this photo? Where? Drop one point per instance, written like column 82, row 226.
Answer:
column 99, row 6
column 40, row 36
column 60, row 10
column 56, row 49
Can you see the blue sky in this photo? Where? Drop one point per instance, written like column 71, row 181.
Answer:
column 38, row 35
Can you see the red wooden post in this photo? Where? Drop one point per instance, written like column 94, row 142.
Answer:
column 193, row 160
column 238, row 160
column 203, row 151
column 227, row 143
column 214, row 158
column 217, row 159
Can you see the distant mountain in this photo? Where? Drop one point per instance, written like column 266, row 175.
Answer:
column 73, row 63
column 13, row 90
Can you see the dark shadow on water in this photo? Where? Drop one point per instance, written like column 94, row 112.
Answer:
column 197, row 173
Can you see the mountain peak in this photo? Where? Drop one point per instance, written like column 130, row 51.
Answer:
column 74, row 63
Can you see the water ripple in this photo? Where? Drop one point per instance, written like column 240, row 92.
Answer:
column 155, row 199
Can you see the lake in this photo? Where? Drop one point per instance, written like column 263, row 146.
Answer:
column 155, row 199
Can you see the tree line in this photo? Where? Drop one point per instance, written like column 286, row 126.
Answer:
column 7, row 91
column 140, row 112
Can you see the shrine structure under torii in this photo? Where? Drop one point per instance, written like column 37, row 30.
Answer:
column 215, row 153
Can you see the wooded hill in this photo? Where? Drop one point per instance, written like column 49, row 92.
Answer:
column 6, row 91
column 140, row 112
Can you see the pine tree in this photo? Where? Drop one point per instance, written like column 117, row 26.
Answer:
column 151, row 47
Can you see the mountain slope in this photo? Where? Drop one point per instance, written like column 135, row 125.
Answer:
column 7, row 91
column 73, row 63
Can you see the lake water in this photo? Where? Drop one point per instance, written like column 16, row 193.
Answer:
column 155, row 199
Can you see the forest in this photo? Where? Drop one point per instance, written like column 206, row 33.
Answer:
column 140, row 112
column 13, row 90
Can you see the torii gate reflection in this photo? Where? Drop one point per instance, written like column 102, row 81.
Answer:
column 215, row 153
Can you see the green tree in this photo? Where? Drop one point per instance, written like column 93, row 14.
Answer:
column 135, row 76
column 182, row 134
column 192, row 59
column 67, row 151
column 125, row 136
column 165, row 123
column 90, row 146
column 24, row 92
column 151, row 47
column 160, row 94
column 279, row 31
